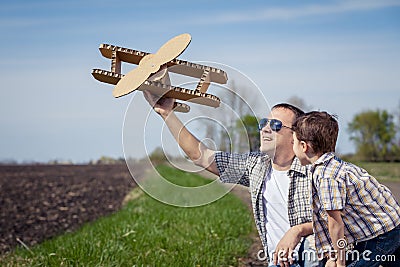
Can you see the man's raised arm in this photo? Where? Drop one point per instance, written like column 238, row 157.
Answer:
column 200, row 154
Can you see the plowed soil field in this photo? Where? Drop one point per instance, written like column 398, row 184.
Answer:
column 40, row 201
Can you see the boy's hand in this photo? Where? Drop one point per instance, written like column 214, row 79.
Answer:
column 162, row 106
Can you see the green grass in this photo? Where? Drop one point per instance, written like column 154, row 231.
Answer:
column 148, row 233
column 383, row 171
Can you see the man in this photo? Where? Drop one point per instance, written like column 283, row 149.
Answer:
column 279, row 185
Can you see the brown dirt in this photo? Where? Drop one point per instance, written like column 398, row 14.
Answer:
column 40, row 201
column 394, row 187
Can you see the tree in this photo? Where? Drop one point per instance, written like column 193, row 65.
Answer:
column 247, row 126
column 397, row 114
column 374, row 134
column 299, row 102
column 237, row 103
column 158, row 156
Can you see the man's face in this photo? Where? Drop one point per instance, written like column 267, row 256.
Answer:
column 278, row 141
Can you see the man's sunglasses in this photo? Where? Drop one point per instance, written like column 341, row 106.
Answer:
column 276, row 125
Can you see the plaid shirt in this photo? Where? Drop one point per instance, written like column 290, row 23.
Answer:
column 250, row 170
column 368, row 208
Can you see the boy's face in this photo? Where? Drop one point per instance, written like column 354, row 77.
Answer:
column 299, row 148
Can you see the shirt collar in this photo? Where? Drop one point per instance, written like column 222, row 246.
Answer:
column 322, row 160
column 297, row 167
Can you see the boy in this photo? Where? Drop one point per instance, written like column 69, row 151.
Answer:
column 349, row 205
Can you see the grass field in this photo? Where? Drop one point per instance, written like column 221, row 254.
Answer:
column 148, row 233
column 383, row 171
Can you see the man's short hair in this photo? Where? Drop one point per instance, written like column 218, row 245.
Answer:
column 296, row 111
column 319, row 129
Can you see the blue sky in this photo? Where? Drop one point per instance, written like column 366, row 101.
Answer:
column 339, row 56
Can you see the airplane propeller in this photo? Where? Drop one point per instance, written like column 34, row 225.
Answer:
column 150, row 64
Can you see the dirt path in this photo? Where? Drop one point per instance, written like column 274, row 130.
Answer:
column 394, row 187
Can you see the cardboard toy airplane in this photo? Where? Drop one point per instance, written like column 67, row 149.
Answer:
column 152, row 73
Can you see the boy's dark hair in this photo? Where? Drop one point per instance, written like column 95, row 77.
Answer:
column 297, row 112
column 319, row 129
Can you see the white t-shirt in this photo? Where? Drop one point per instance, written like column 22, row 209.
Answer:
column 275, row 198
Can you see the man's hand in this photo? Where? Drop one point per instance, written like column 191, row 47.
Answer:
column 284, row 250
column 331, row 263
column 162, row 106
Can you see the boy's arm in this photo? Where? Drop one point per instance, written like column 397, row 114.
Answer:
column 200, row 154
column 336, row 231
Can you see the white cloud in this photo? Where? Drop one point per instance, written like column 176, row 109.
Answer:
column 278, row 13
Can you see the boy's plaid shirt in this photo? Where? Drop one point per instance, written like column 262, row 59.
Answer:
column 250, row 170
column 368, row 208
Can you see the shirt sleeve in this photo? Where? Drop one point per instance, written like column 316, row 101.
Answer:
column 232, row 168
column 332, row 193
